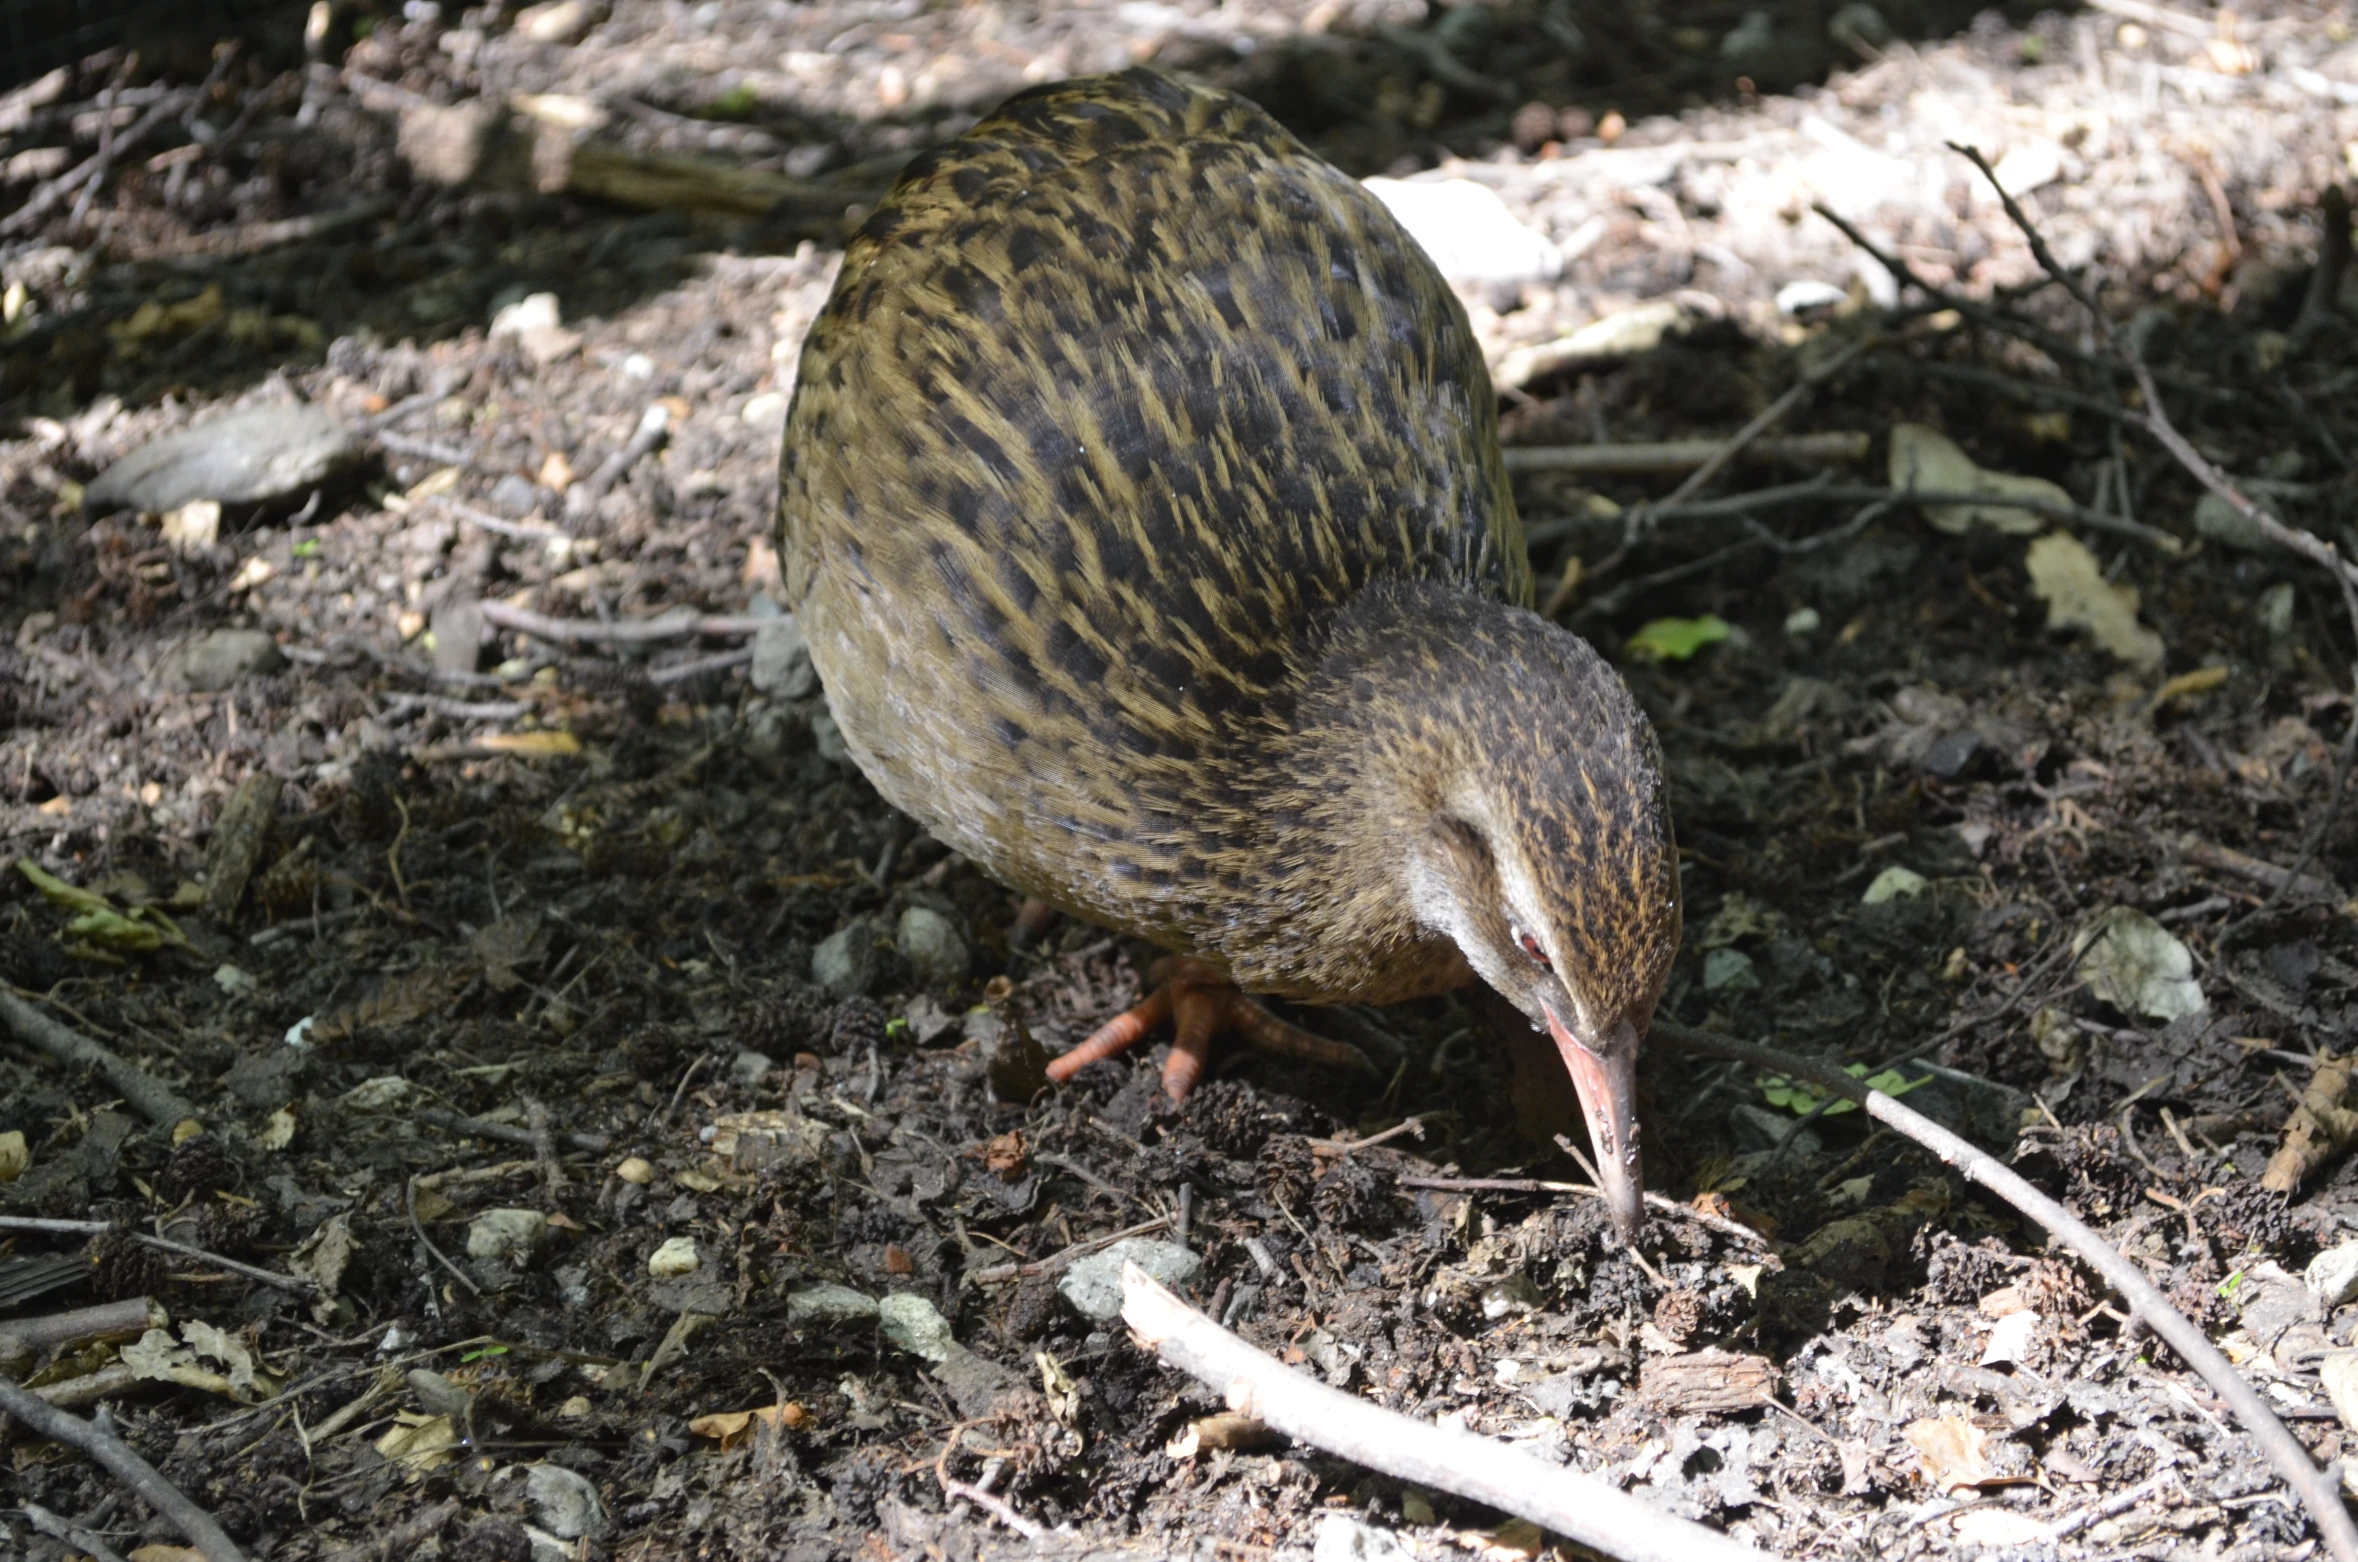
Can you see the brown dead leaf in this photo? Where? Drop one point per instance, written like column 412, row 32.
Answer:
column 1950, row 1451
column 2320, row 1128
column 1005, row 1155
column 727, row 1426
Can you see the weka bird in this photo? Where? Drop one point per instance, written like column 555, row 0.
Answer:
column 1142, row 503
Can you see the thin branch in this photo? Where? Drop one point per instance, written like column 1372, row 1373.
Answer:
column 123, row 1462
column 582, row 631
column 2319, row 1490
column 152, row 1099
column 91, row 1228
column 1566, row 1502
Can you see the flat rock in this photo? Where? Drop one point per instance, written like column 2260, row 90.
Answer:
column 258, row 456
column 1094, row 1284
column 220, row 660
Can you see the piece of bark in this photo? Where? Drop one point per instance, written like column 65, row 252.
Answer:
column 2319, row 1129
column 1707, row 1382
column 239, row 841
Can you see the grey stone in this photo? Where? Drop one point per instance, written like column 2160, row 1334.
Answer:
column 782, row 661
column 912, row 1323
column 1094, row 1284
column 220, row 660
column 564, row 1501
column 512, row 1234
column 258, row 456
column 937, row 956
column 1342, row 1538
column 748, row 1066
column 827, row 738
column 847, row 962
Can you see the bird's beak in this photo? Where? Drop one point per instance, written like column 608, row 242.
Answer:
column 1606, row 1077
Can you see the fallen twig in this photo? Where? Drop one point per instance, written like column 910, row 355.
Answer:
column 123, row 1462
column 1653, row 457
column 1868, row 493
column 91, row 1228
column 151, row 1098
column 2319, row 1490
column 1567, row 1502
column 719, row 662
column 122, row 1320
column 582, row 631
column 999, row 1274
column 654, row 427
column 504, row 1133
column 72, row 1534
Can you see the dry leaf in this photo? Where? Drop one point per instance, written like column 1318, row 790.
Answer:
column 1931, row 462
column 1950, row 1451
column 2068, row 579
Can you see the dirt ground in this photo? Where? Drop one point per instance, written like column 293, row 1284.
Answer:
column 583, row 1052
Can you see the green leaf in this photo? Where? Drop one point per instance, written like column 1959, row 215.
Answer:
column 307, row 548
column 479, row 1355
column 1800, row 1097
column 1676, row 639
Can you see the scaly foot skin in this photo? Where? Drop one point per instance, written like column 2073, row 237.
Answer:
column 1201, row 1003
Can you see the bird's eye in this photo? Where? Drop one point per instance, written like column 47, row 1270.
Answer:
column 1531, row 948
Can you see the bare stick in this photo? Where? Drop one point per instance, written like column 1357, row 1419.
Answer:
column 582, row 631
column 1001, row 1273
column 504, row 1133
column 91, row 1228
column 720, row 662
column 124, row 1463
column 2319, row 1489
column 108, row 1321
column 409, row 1206
column 1576, row 1506
column 73, row 1534
column 1682, row 455
column 654, row 427
column 153, row 1100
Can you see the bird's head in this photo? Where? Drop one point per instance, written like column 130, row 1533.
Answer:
column 1542, row 847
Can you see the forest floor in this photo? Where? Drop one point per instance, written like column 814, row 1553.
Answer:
column 583, row 1051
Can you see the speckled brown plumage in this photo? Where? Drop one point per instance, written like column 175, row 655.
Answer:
column 1142, row 502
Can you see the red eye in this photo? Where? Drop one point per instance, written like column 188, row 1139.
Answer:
column 1531, row 948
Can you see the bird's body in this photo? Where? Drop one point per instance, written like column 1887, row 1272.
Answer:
column 1142, row 504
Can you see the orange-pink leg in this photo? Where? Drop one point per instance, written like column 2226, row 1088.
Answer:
column 1201, row 1003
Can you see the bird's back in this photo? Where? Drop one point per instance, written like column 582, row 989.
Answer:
column 1119, row 396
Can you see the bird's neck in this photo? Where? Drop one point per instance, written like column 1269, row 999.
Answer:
column 1376, row 732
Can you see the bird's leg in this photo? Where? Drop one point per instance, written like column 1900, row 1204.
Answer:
column 1201, row 1002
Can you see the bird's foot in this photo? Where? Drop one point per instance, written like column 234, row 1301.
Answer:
column 1200, row 1003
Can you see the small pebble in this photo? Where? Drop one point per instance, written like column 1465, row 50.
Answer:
column 676, row 1257
column 1094, row 1284
column 511, row 1234
column 2332, row 1275
column 911, row 1322
column 1801, row 623
column 636, row 1168
column 937, row 956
